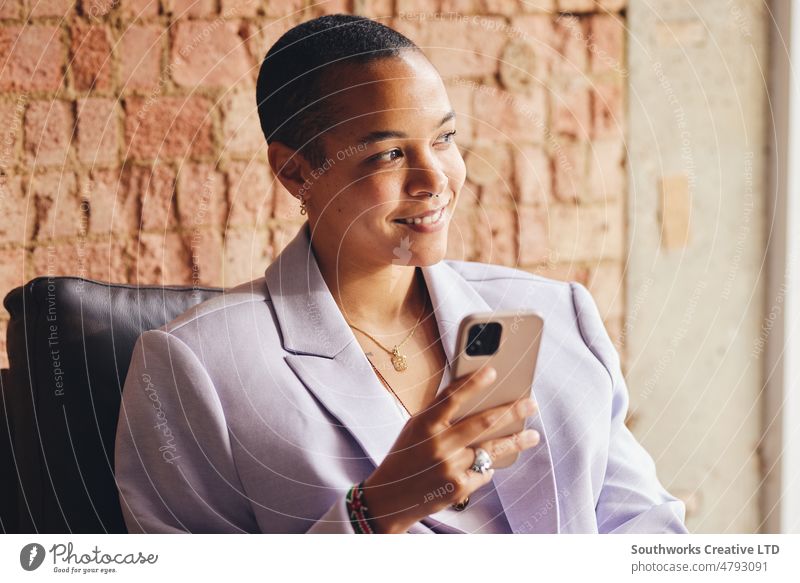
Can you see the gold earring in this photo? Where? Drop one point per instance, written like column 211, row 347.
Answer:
column 303, row 209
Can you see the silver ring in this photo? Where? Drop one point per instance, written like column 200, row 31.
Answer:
column 482, row 462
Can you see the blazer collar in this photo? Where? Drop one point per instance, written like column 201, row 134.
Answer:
column 322, row 347
column 303, row 302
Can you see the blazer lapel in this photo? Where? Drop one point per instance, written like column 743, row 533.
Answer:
column 328, row 360
column 527, row 489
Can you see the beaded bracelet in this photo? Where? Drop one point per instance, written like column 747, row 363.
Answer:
column 357, row 510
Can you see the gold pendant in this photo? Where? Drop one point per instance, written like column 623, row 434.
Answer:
column 399, row 361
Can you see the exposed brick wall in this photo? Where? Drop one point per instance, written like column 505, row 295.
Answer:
column 131, row 150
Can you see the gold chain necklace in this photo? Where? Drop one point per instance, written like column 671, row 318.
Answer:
column 399, row 361
column 388, row 386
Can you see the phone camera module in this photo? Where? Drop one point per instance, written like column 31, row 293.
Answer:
column 483, row 339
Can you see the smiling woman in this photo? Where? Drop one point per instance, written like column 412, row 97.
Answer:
column 319, row 398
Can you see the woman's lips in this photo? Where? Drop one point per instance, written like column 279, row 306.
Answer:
column 428, row 224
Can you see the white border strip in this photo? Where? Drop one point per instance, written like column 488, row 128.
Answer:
column 781, row 501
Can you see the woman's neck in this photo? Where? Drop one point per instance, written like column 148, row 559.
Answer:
column 382, row 298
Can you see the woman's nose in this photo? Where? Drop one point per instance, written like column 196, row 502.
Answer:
column 429, row 179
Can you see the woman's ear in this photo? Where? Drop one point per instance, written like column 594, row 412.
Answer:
column 289, row 166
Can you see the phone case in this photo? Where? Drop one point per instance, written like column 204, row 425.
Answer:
column 514, row 360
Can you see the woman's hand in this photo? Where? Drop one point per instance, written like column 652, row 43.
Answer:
column 427, row 468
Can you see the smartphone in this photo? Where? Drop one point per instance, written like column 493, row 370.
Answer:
column 509, row 342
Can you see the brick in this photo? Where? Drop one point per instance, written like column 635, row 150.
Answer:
column 155, row 187
column 460, row 235
column 496, row 236
column 98, row 130
column 488, row 163
column 472, row 49
column 520, row 67
column 10, row 8
column 140, row 56
column 190, row 8
column 570, row 44
column 538, row 6
column 562, row 271
column 533, row 177
column 161, row 259
column 500, row 194
column 534, row 244
column 283, row 8
column 606, row 48
column 209, row 54
column 587, row 233
column 261, row 35
column 503, row 116
column 608, row 114
column 418, row 6
column 239, row 8
column 11, row 270
column 18, row 216
column 535, row 33
column 469, row 195
column 460, row 96
column 606, row 172
column 330, row 7
column 12, row 114
column 201, row 197
column 571, row 107
column 250, row 192
column 168, row 127
column 375, row 9
column 96, row 9
column 241, row 127
column 3, row 343
column 58, row 209
column 569, row 165
column 246, row 254
column 91, row 56
column 33, row 58
column 576, row 5
column 48, row 129
column 607, row 285
column 501, row 7
column 206, row 256
column 113, row 204
column 97, row 260
column 138, row 8
column 612, row 5
column 55, row 8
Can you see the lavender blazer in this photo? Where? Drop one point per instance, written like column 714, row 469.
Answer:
column 255, row 411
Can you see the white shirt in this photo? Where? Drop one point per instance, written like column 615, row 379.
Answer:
column 484, row 513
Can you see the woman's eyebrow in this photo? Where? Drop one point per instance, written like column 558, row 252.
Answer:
column 379, row 135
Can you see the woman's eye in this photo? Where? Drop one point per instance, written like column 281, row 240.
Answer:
column 387, row 156
column 449, row 136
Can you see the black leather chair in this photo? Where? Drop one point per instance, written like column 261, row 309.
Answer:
column 70, row 342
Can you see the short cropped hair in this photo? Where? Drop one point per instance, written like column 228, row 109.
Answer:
column 291, row 88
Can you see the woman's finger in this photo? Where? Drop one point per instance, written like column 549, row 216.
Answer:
column 470, row 429
column 448, row 402
column 514, row 443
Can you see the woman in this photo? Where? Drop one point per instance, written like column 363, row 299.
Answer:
column 319, row 398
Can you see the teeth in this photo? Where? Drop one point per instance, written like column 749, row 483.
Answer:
column 429, row 220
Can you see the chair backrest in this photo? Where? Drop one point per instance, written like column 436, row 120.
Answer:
column 70, row 342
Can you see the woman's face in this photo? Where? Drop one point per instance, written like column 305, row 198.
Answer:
column 391, row 148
